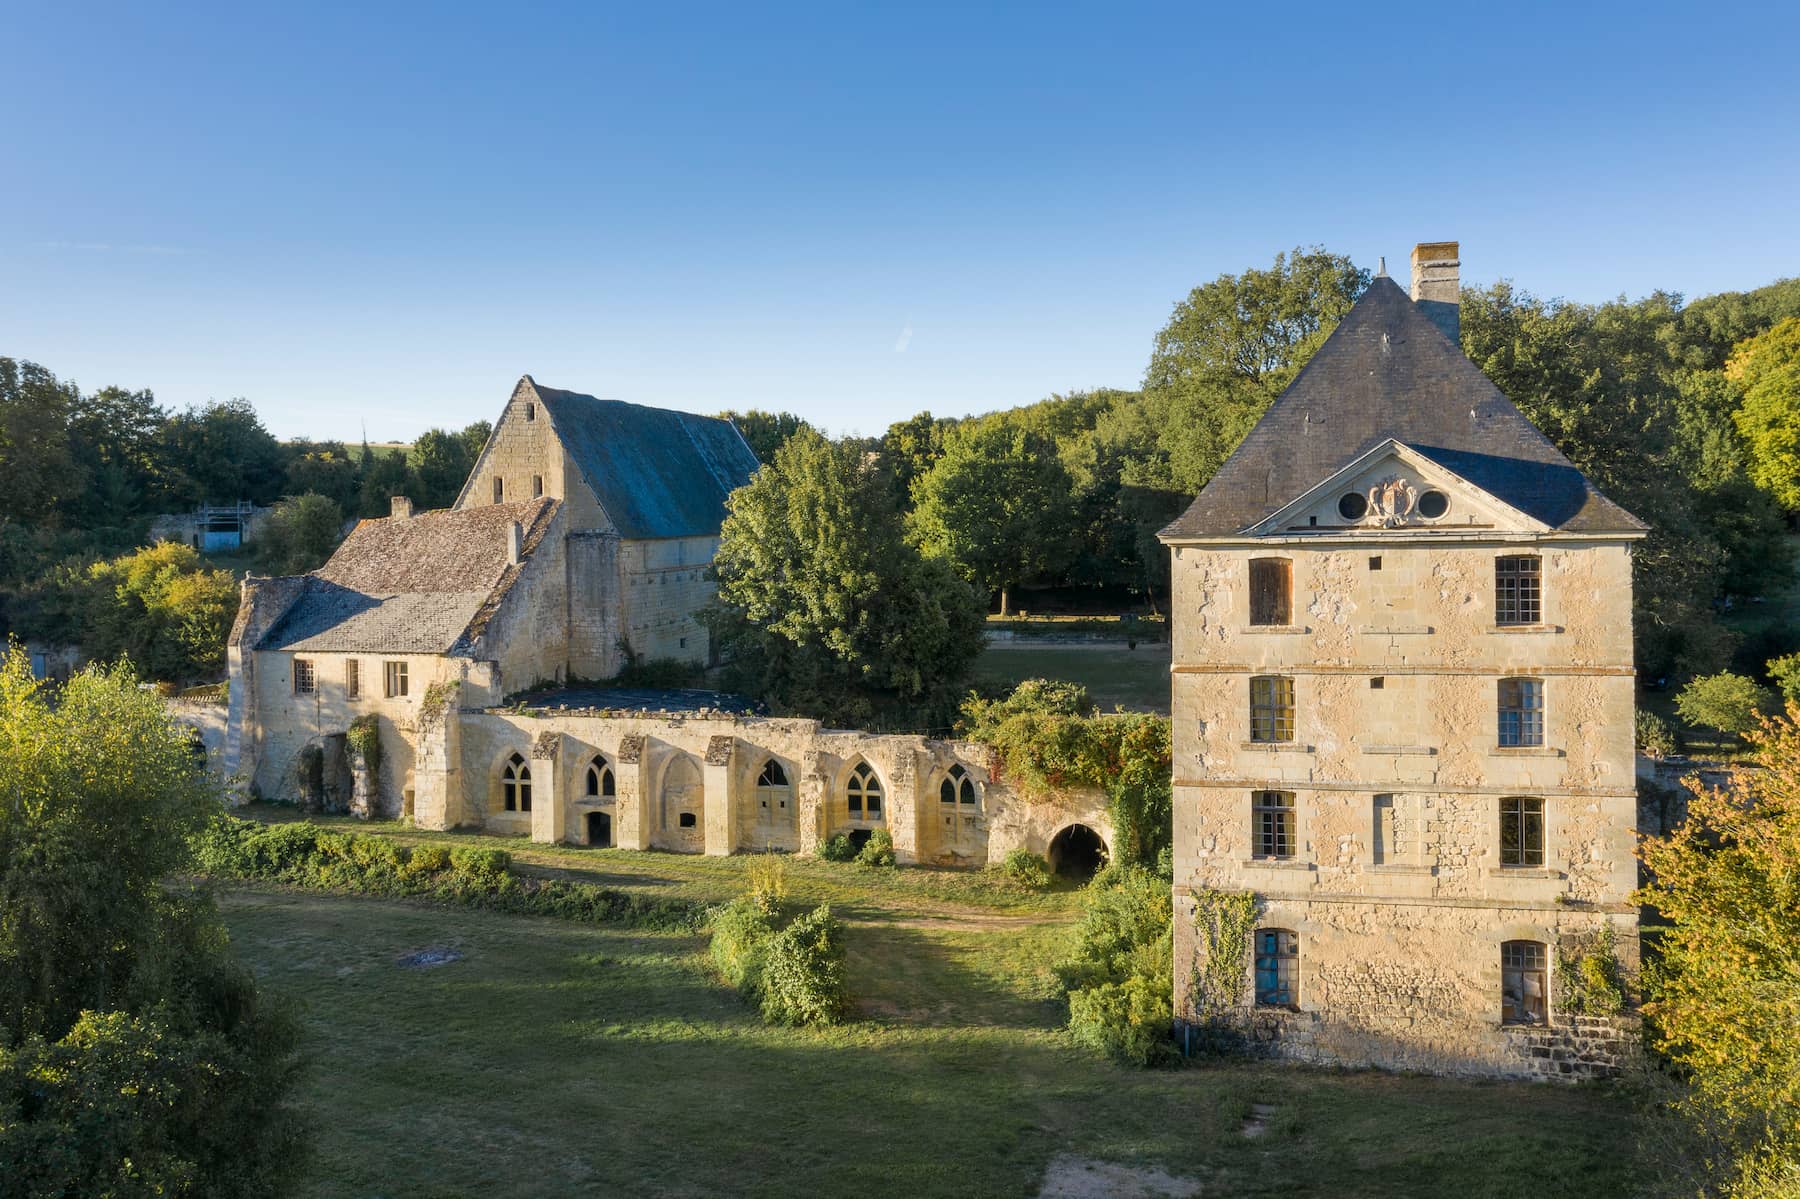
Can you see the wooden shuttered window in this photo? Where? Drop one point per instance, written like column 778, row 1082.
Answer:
column 1271, row 591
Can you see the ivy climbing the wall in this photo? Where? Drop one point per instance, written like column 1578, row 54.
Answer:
column 1049, row 736
column 1223, row 923
column 365, row 738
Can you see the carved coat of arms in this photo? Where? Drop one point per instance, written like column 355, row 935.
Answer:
column 1391, row 501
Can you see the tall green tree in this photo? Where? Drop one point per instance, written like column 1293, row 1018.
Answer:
column 299, row 535
column 440, row 462
column 224, row 454
column 765, row 432
column 825, row 608
column 1231, row 347
column 38, row 471
column 996, row 506
column 161, row 608
column 1767, row 368
column 1724, row 991
column 325, row 468
column 137, row 1058
column 385, row 476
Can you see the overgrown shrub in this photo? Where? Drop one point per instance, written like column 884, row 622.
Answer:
column 480, row 862
column 1590, row 979
column 302, row 854
column 803, row 972
column 838, row 848
column 768, row 882
column 741, row 932
column 1119, row 976
column 878, row 850
column 1655, row 736
column 1025, row 868
column 1049, row 737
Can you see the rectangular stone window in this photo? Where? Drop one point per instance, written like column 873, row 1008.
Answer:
column 1375, row 562
column 1521, row 712
column 352, row 678
column 396, row 678
column 305, row 680
column 1271, row 708
column 1524, row 980
column 1518, row 593
column 1271, row 591
column 1277, row 968
column 1521, row 831
column 1385, row 848
column 1272, row 824
column 499, row 490
column 537, row 486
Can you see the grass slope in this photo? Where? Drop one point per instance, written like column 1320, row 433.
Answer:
column 563, row 1059
column 1134, row 679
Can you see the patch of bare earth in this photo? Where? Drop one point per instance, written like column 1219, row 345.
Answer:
column 1071, row 1177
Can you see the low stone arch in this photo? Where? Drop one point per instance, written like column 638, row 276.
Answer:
column 1077, row 851
column 772, row 814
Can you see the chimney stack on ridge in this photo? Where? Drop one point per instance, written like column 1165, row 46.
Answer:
column 400, row 508
column 1437, row 285
column 515, row 539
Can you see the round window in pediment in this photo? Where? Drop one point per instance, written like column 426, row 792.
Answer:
column 1353, row 506
column 1433, row 504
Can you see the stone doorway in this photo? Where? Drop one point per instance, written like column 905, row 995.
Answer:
column 599, row 830
column 1077, row 852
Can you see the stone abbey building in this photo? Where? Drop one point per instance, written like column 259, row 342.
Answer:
column 1403, row 700
column 582, row 538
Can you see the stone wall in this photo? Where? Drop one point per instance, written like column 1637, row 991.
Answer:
column 665, row 585
column 708, row 766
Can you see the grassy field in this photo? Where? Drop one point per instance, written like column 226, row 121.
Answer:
column 556, row 1058
column 1134, row 679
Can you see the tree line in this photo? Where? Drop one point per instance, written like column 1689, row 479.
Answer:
column 1687, row 414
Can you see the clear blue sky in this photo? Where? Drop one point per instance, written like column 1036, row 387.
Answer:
column 386, row 214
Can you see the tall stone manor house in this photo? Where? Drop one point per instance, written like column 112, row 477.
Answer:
column 1403, row 702
column 582, row 538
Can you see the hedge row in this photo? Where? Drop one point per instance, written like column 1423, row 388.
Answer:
column 307, row 855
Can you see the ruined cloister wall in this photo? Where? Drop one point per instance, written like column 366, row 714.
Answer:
column 707, row 767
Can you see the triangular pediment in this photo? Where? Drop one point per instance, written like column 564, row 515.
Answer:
column 1395, row 488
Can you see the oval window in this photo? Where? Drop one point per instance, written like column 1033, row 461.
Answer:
column 1433, row 504
column 1353, row 506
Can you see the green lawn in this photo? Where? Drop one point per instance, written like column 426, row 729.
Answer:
column 1134, row 679
column 558, row 1058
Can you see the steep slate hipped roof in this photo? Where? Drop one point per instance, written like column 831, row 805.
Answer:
column 655, row 472
column 1389, row 372
column 410, row 585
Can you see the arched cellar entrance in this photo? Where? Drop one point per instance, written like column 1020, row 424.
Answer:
column 859, row 837
column 1077, row 852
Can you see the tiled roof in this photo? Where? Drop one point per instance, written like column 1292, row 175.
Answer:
column 1389, row 372
column 656, row 473
column 417, row 585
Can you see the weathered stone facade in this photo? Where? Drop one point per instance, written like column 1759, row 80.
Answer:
column 1418, row 763
column 580, row 542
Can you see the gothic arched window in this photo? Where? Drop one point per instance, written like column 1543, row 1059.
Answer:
column 863, row 793
column 958, row 788
column 515, row 785
column 600, row 783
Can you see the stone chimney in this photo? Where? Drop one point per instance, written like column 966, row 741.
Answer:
column 400, row 508
column 515, row 542
column 1437, row 285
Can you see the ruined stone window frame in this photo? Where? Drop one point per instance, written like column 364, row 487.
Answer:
column 600, row 781
column 306, row 679
column 958, row 789
column 1526, row 812
column 1271, row 592
column 515, row 784
column 352, row 678
column 1275, row 960
column 1271, row 708
column 1524, row 968
column 1518, row 590
column 1520, row 703
column 1382, row 851
column 1274, row 825
column 395, row 678
column 767, row 789
column 863, row 794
